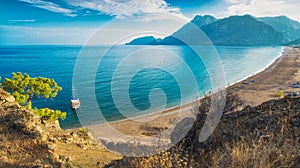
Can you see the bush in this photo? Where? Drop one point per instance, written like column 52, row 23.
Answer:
column 279, row 94
column 49, row 114
column 25, row 88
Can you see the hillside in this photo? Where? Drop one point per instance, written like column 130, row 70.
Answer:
column 232, row 31
column 294, row 43
column 26, row 141
column 198, row 21
column 187, row 29
column 288, row 27
column 242, row 30
column 264, row 136
column 150, row 40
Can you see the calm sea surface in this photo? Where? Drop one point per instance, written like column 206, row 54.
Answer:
column 126, row 81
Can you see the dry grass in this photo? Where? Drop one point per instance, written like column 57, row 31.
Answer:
column 272, row 153
column 260, row 137
column 275, row 152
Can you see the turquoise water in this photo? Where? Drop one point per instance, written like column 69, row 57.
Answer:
column 150, row 78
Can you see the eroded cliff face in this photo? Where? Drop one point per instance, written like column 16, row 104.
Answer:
column 27, row 141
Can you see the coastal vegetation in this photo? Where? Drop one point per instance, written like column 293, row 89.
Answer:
column 28, row 141
column 279, row 94
column 25, row 88
column 264, row 136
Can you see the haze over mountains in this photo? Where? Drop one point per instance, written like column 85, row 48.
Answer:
column 289, row 28
column 244, row 30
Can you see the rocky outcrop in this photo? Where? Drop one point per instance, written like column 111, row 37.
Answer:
column 27, row 141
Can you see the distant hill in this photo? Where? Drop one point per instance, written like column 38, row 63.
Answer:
column 232, row 31
column 288, row 27
column 235, row 30
column 147, row 40
column 242, row 30
column 294, row 43
column 196, row 23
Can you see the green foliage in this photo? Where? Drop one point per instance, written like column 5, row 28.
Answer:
column 82, row 130
column 49, row 114
column 23, row 87
column 279, row 94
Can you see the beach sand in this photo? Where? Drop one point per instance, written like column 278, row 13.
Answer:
column 253, row 90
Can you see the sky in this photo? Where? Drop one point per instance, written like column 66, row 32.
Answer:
column 76, row 22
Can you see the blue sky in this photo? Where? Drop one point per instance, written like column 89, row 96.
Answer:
column 74, row 21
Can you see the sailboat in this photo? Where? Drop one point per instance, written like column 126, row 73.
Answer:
column 75, row 101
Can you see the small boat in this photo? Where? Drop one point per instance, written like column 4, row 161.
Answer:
column 75, row 101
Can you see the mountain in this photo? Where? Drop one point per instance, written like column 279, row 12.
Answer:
column 235, row 30
column 294, row 43
column 196, row 23
column 147, row 40
column 232, row 31
column 242, row 30
column 288, row 27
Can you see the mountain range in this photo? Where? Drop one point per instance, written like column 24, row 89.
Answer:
column 243, row 30
column 288, row 27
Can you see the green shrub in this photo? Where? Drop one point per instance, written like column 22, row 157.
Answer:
column 279, row 94
column 49, row 114
column 24, row 88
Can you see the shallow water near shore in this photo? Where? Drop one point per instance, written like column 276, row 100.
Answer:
column 58, row 62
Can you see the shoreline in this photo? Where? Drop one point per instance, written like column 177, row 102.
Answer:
column 174, row 109
column 281, row 71
column 278, row 58
column 123, row 131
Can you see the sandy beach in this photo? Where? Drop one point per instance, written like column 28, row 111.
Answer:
column 253, row 91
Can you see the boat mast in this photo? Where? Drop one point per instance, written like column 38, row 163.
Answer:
column 74, row 92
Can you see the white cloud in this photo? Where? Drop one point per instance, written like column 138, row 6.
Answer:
column 50, row 6
column 20, row 35
column 126, row 8
column 23, row 20
column 117, row 8
column 235, row 1
column 258, row 8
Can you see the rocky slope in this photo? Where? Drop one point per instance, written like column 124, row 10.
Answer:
column 26, row 141
column 264, row 136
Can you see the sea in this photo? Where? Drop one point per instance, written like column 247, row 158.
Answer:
column 119, row 82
